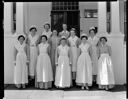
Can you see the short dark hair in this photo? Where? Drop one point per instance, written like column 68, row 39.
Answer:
column 92, row 30
column 44, row 36
column 84, row 37
column 64, row 24
column 73, row 29
column 20, row 37
column 32, row 28
column 103, row 38
column 62, row 39
column 47, row 24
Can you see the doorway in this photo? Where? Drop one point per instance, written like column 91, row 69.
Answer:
column 68, row 14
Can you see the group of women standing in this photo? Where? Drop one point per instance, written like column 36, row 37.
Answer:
column 63, row 59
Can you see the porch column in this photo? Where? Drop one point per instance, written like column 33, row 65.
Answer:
column 8, row 13
column 116, row 41
column 102, row 26
column 115, row 22
column 19, row 18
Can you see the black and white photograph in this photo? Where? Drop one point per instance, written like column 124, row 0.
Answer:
column 65, row 50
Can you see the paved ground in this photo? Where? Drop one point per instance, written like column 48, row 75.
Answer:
column 11, row 92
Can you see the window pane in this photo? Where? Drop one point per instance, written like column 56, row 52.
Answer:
column 53, row 3
column 108, row 17
column 14, row 16
column 61, row 3
column 76, row 7
column 65, row 6
column 65, row 3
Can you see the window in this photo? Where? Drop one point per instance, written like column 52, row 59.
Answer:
column 67, row 6
column 14, row 17
column 90, row 13
column 108, row 17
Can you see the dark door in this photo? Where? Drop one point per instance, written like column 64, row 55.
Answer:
column 57, row 19
column 73, row 21
column 71, row 18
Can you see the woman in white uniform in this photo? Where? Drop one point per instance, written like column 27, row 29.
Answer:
column 64, row 32
column 21, row 61
column 44, row 68
column 53, row 41
column 32, row 42
column 73, row 42
column 47, row 31
column 93, row 40
column 105, row 78
column 63, row 65
column 84, row 64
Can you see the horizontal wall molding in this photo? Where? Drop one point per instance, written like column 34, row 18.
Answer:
column 111, row 35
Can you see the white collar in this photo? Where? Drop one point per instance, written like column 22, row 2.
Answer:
column 64, row 31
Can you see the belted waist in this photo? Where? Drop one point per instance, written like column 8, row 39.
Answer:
column 84, row 52
column 63, row 55
column 33, row 45
column 43, row 53
column 73, row 45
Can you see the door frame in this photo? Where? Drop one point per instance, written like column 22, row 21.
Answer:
column 65, row 17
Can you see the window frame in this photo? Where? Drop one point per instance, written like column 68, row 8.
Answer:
column 91, row 12
column 65, row 6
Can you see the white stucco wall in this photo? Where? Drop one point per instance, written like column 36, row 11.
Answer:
column 118, row 57
column 86, row 23
column 8, row 59
column 37, row 14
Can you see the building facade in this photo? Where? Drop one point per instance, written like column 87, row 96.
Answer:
column 108, row 17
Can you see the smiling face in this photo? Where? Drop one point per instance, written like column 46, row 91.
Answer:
column 103, row 41
column 43, row 39
column 46, row 27
column 54, row 32
column 72, row 33
column 92, row 33
column 84, row 39
column 33, row 31
column 64, row 27
column 21, row 40
column 63, row 42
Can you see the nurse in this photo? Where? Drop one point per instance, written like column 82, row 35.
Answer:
column 63, row 65
column 84, row 64
column 73, row 42
column 44, row 68
column 93, row 40
column 64, row 32
column 32, row 41
column 54, row 42
column 21, row 62
column 105, row 78
column 47, row 30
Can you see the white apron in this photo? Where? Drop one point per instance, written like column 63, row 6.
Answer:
column 105, row 70
column 63, row 70
column 94, row 57
column 44, row 68
column 21, row 69
column 84, row 66
column 33, row 55
column 74, row 55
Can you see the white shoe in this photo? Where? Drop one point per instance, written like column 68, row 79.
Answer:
column 82, row 87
